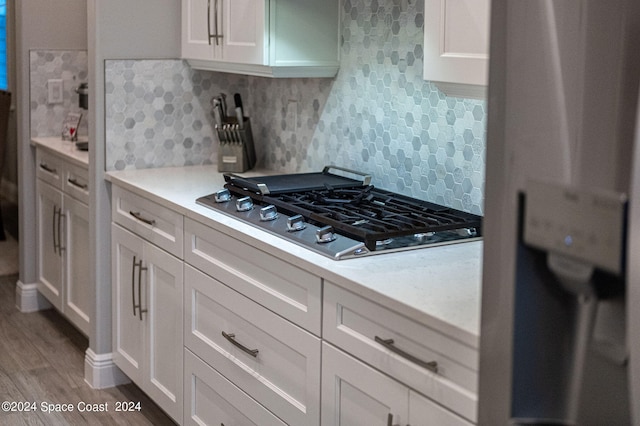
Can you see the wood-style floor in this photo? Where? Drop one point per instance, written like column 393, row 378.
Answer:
column 42, row 361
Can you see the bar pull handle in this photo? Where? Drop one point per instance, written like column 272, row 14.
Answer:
column 140, row 310
column 133, row 285
column 77, row 184
column 53, row 229
column 209, row 35
column 217, row 36
column 46, row 168
column 138, row 216
column 232, row 338
column 390, row 420
column 60, row 216
column 388, row 343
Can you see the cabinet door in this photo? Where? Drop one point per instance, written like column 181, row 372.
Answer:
column 424, row 412
column 128, row 329
column 50, row 245
column 456, row 42
column 197, row 24
column 77, row 293
column 354, row 394
column 211, row 399
column 162, row 301
column 244, row 28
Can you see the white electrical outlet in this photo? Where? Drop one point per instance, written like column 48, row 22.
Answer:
column 55, row 91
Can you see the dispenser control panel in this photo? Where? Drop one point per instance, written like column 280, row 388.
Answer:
column 587, row 225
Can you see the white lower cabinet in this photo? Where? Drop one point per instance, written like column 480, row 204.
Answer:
column 273, row 361
column 148, row 318
column 213, row 399
column 63, row 238
column 355, row 394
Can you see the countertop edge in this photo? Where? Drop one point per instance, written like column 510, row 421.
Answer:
column 291, row 253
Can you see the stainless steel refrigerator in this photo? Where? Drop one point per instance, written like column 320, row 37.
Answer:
column 560, row 326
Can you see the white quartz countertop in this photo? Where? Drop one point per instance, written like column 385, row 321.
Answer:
column 66, row 149
column 438, row 286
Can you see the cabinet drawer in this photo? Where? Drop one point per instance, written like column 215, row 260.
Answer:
column 284, row 372
column 280, row 286
column 49, row 168
column 159, row 225
column 76, row 182
column 211, row 399
column 424, row 412
column 402, row 348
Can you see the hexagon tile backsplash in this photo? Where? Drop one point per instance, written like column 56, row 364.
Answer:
column 70, row 66
column 378, row 115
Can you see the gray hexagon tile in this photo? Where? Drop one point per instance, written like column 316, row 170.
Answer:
column 158, row 113
column 71, row 67
column 378, row 115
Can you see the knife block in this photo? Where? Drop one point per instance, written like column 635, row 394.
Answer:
column 236, row 152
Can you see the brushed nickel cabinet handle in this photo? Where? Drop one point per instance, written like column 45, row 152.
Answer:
column 77, row 184
column 138, row 216
column 209, row 21
column 53, row 229
column 140, row 269
column 46, row 168
column 60, row 217
column 215, row 22
column 133, row 285
column 388, row 343
column 232, row 338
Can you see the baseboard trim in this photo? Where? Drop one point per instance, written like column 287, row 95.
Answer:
column 29, row 299
column 100, row 372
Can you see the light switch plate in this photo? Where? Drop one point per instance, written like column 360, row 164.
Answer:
column 586, row 225
column 55, row 91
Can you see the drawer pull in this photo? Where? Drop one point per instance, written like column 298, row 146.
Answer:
column 77, row 184
column 138, row 216
column 232, row 338
column 46, row 168
column 390, row 420
column 388, row 343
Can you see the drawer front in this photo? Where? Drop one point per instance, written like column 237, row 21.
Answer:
column 76, row 182
column 280, row 286
column 157, row 224
column 284, row 372
column 211, row 399
column 403, row 348
column 50, row 168
column 424, row 412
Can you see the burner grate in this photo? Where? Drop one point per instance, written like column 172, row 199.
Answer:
column 373, row 216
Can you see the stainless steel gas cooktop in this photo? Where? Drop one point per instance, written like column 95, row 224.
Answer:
column 341, row 217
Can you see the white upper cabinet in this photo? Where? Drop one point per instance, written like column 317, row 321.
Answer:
column 276, row 38
column 456, row 46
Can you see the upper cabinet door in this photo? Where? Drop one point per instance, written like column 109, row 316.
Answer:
column 197, row 28
column 244, row 26
column 456, row 45
column 269, row 38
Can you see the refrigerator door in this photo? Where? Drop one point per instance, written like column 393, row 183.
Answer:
column 562, row 103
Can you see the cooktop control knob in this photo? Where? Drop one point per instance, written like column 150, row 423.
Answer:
column 296, row 223
column 244, row 204
column 325, row 235
column 222, row 196
column 268, row 213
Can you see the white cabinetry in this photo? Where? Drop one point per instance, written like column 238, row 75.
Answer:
column 456, row 46
column 147, row 306
column 276, row 38
column 253, row 319
column 356, row 394
column 420, row 358
column 63, row 237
